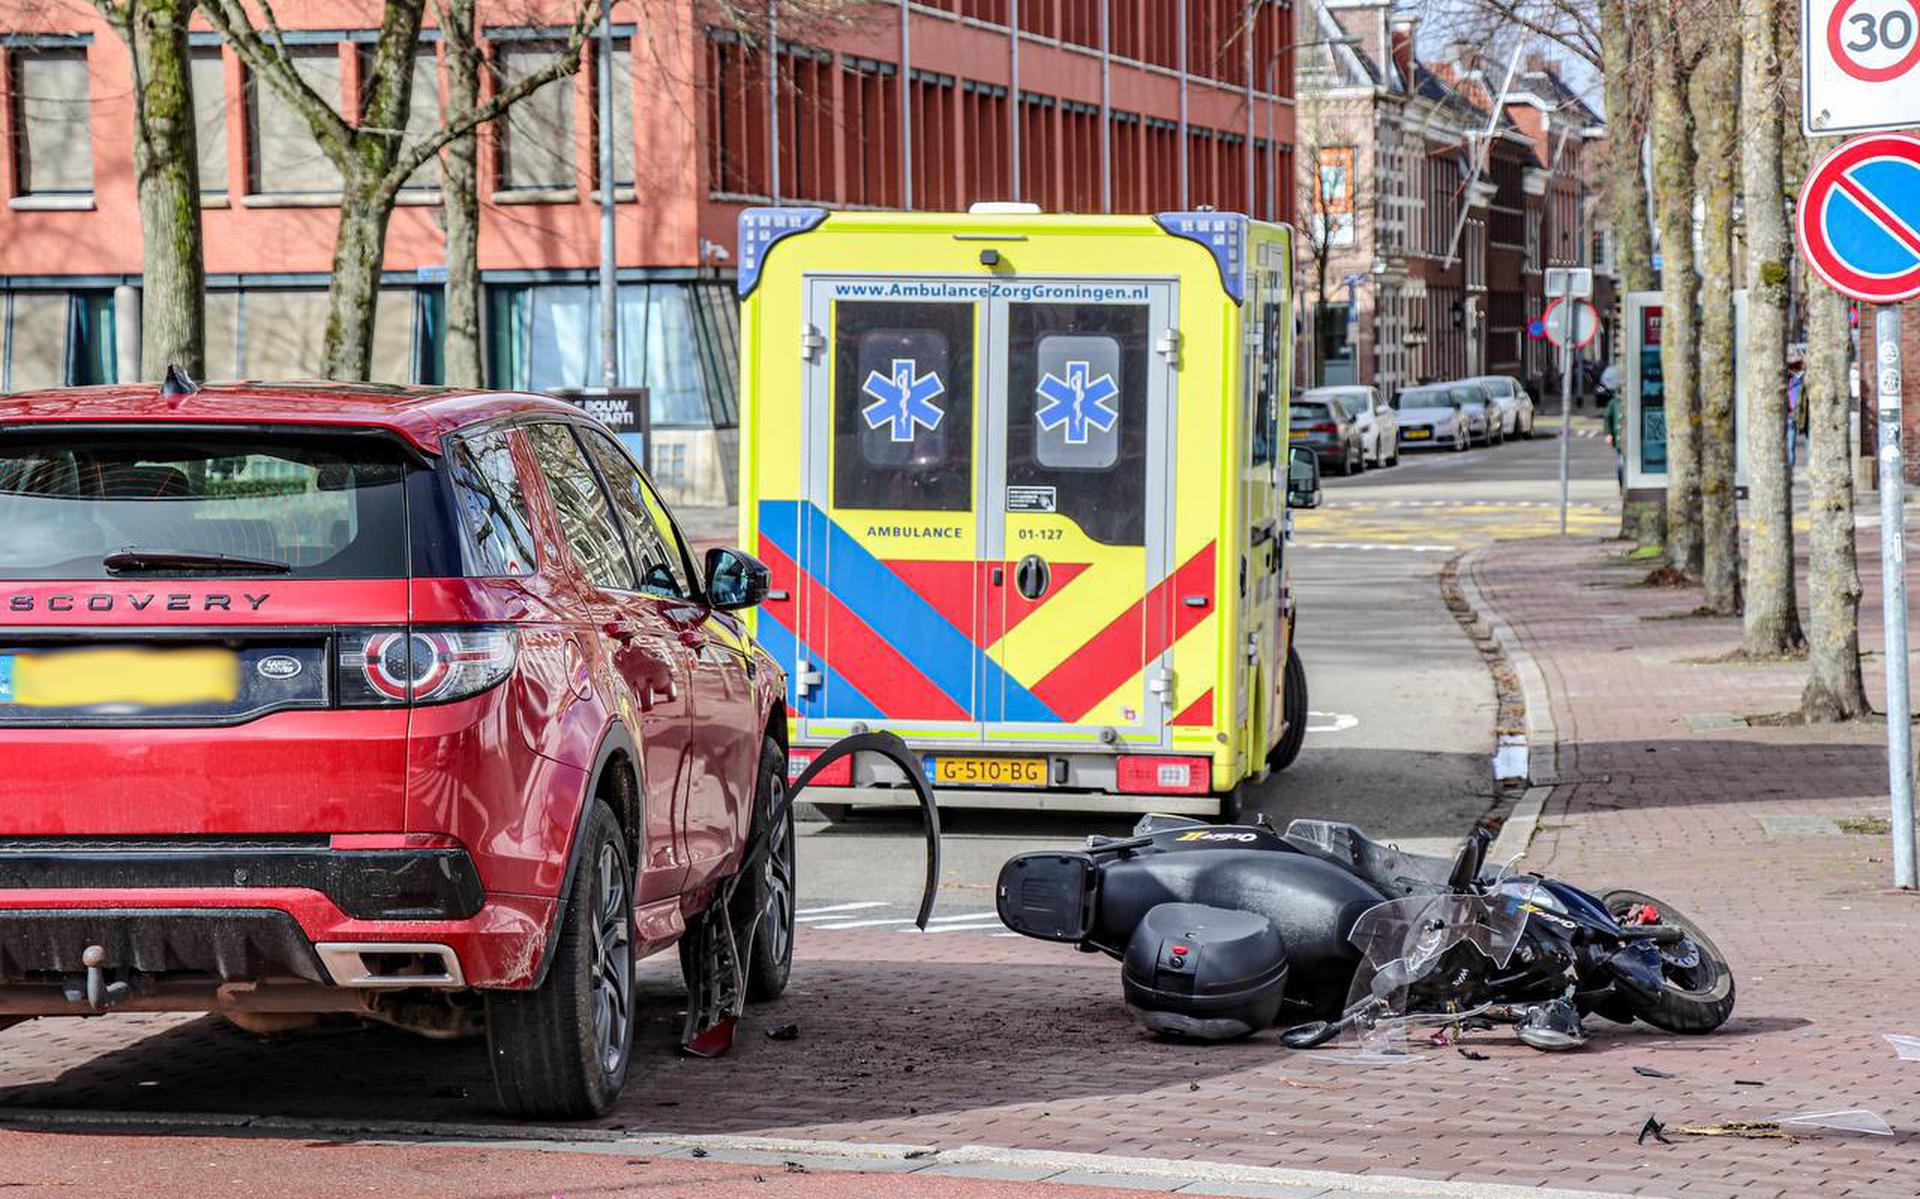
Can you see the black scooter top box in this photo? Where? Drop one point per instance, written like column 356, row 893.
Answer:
column 1204, row 972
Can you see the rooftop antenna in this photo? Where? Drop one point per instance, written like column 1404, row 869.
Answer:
column 178, row 384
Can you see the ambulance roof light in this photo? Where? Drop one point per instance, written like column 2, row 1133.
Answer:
column 1224, row 234
column 1003, row 208
column 760, row 228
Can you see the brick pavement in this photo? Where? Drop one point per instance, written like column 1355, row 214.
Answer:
column 971, row 1040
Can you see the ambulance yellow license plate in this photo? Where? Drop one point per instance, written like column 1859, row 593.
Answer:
column 990, row 772
column 136, row 678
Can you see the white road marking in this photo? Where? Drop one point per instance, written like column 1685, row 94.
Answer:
column 864, row 923
column 1330, row 722
column 968, row 916
column 953, row 928
column 839, row 907
column 1376, row 545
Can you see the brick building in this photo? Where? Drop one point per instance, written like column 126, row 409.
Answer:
column 1081, row 105
column 1433, row 263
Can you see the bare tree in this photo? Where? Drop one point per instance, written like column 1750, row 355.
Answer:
column 1334, row 190
column 463, row 361
column 1716, row 103
column 1673, row 176
column 370, row 151
column 1772, row 613
column 166, row 181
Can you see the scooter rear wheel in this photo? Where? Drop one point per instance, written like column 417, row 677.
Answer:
column 1694, row 999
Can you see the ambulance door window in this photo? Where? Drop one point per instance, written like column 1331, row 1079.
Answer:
column 903, row 406
column 1077, row 413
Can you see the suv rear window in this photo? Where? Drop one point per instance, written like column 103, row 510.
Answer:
column 312, row 507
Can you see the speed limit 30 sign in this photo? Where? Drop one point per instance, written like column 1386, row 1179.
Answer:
column 1860, row 65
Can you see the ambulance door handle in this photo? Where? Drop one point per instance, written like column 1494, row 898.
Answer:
column 1033, row 576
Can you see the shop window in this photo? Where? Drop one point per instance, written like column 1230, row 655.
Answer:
column 52, row 142
column 57, row 339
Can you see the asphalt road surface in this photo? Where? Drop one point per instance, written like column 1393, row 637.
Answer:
column 1401, row 737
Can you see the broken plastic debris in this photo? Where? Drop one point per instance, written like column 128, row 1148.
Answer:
column 1851, row 1119
column 783, row 1032
column 1907, row 1047
column 1652, row 1128
column 1752, row 1130
column 1650, row 1072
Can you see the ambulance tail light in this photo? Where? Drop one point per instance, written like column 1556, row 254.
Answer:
column 836, row 774
column 1142, row 774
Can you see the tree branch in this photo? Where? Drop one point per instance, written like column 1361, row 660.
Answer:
column 564, row 64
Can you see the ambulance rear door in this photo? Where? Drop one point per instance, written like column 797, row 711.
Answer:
column 1082, row 598
column 889, row 538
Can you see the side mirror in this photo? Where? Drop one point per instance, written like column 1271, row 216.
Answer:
column 735, row 579
column 1303, row 478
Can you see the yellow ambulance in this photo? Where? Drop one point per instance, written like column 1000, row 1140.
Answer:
column 1021, row 481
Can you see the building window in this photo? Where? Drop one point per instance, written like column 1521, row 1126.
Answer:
column 283, row 158
column 935, row 188
column 546, row 337
column 52, row 144
column 988, row 173
column 210, row 119
column 622, row 84
column 423, row 107
column 56, row 339
column 736, row 118
column 806, row 124
column 870, row 132
column 536, row 138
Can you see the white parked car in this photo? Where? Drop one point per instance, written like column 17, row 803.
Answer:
column 1431, row 416
column 1516, row 406
column 1379, row 428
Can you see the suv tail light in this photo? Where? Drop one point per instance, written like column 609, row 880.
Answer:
column 380, row 667
column 1147, row 775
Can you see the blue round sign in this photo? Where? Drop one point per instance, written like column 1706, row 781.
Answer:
column 1859, row 218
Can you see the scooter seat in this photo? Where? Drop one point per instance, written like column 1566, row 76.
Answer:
column 1394, row 871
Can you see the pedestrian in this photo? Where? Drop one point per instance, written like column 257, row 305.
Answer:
column 1614, row 413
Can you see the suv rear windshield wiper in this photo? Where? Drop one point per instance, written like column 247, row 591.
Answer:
column 139, row 561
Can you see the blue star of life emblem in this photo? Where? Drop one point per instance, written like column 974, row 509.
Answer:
column 903, row 399
column 1078, row 402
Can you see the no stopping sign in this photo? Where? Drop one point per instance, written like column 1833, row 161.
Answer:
column 1859, row 218
column 1860, row 65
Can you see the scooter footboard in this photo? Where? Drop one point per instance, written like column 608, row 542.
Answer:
column 1048, row 895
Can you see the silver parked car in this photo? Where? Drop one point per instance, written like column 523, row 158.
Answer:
column 1516, row 406
column 1431, row 415
column 1483, row 419
column 1379, row 428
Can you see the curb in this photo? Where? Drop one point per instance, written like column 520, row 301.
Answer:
column 1543, row 736
column 984, row 1162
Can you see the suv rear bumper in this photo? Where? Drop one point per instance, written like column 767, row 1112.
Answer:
column 250, row 948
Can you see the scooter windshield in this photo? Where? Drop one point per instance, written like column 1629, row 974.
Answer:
column 1424, row 960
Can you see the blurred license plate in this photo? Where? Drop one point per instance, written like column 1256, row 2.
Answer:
column 145, row 678
column 992, row 772
column 1416, row 434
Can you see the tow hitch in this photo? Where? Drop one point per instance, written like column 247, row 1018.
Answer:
column 719, row 995
column 93, row 988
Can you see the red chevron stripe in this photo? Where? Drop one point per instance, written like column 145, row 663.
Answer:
column 861, row 657
column 1200, row 711
column 1137, row 636
column 959, row 589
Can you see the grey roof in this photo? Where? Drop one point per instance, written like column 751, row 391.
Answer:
column 1550, row 87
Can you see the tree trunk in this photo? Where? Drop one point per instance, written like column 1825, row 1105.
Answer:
column 1834, row 687
column 460, row 197
column 1716, row 99
column 1772, row 612
column 1673, row 166
column 353, row 292
column 1626, row 185
column 166, row 169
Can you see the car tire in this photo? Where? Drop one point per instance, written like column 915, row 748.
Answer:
column 560, row 1051
column 1293, row 700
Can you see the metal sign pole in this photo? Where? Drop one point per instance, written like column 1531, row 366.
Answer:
column 1566, row 418
column 1893, row 598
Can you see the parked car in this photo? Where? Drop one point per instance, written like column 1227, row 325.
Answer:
column 1379, row 431
column 1515, row 404
column 1483, row 418
column 1330, row 431
column 1431, row 415
column 404, row 703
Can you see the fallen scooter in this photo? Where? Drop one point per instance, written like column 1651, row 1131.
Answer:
column 1225, row 930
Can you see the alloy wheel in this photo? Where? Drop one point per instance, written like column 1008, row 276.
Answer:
column 777, row 913
column 612, row 959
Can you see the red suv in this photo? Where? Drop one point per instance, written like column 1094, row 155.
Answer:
column 403, row 703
